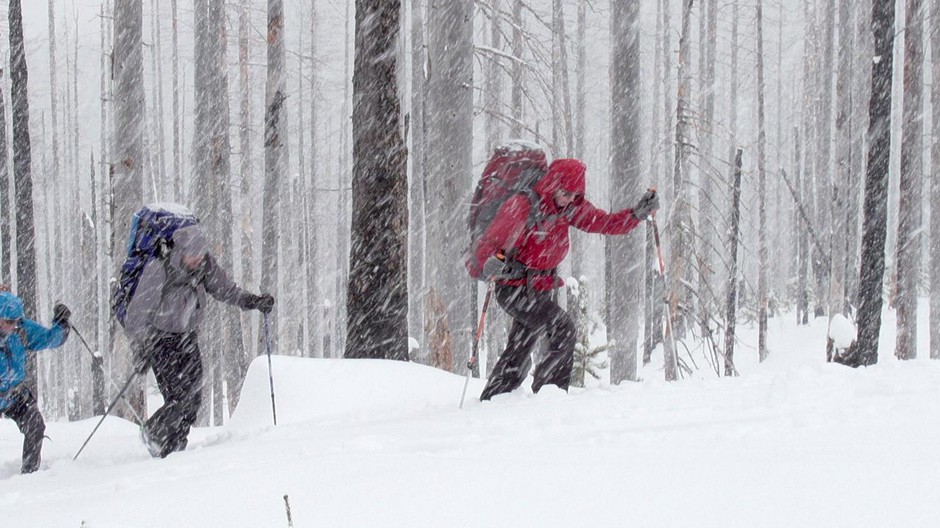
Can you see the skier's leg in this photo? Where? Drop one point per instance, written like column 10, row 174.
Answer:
column 538, row 312
column 524, row 305
column 190, row 389
column 555, row 366
column 513, row 363
column 155, row 432
column 25, row 413
column 178, row 370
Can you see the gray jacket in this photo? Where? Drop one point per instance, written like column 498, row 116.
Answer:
column 170, row 299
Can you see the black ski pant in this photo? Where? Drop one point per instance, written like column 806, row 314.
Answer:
column 533, row 312
column 25, row 413
column 177, row 365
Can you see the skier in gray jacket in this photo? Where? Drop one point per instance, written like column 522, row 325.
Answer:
column 162, row 322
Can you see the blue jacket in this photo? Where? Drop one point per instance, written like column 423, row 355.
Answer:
column 13, row 353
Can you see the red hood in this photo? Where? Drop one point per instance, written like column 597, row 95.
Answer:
column 566, row 174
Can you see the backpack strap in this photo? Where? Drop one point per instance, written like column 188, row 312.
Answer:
column 536, row 218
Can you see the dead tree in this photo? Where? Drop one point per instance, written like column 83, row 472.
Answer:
column 864, row 351
column 450, row 124
column 732, row 302
column 935, row 186
column 418, row 158
column 378, row 295
column 275, row 164
column 6, row 246
column 623, row 292
column 763, row 257
column 909, row 206
column 680, row 219
column 128, row 157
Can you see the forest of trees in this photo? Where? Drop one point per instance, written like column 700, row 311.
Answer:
column 330, row 148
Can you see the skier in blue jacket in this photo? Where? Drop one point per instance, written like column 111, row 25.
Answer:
column 18, row 336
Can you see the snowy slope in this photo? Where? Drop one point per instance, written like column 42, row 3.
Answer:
column 792, row 442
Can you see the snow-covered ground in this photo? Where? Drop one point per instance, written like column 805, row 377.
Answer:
column 791, row 442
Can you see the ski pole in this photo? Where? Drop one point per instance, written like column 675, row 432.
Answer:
column 82, row 339
column 662, row 275
column 267, row 342
column 107, row 412
column 97, row 357
column 476, row 343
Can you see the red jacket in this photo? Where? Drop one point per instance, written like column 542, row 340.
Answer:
column 544, row 245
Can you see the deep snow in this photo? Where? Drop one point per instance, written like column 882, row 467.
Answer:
column 791, row 442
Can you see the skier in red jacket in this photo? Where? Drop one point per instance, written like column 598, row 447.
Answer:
column 521, row 250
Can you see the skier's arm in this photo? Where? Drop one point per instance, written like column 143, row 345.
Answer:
column 38, row 337
column 223, row 288
column 594, row 220
column 504, row 230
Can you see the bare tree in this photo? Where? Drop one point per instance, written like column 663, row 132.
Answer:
column 177, row 155
column 861, row 92
column 378, row 278
column 732, row 302
column 416, row 217
column 823, row 161
column 652, row 314
column 580, row 93
column 763, row 257
column 935, row 186
column 493, row 82
column 105, row 211
column 56, row 170
column 680, row 219
column 343, row 178
column 841, row 182
column 6, row 246
column 802, row 237
column 22, row 177
column 450, row 131
column 312, row 245
column 874, row 223
column 623, row 293
column 561, row 100
column 127, row 151
column 275, row 161
column 497, row 321
column 212, row 196
column 517, row 69
column 577, row 238
column 707, row 208
column 245, row 156
column 156, row 65
column 909, row 207
column 804, row 161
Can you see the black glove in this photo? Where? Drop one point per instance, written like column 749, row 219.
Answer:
column 264, row 303
column 648, row 204
column 60, row 315
column 494, row 269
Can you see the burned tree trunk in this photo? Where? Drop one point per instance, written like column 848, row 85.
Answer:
column 874, row 223
column 377, row 301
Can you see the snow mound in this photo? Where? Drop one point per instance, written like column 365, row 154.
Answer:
column 308, row 389
column 842, row 331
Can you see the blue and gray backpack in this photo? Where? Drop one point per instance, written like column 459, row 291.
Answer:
column 151, row 235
